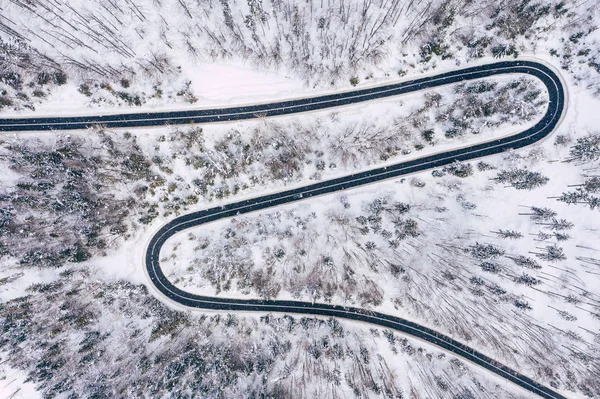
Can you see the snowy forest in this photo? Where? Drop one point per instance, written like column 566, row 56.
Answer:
column 147, row 52
column 500, row 253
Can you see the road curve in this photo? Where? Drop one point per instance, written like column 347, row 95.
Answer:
column 541, row 129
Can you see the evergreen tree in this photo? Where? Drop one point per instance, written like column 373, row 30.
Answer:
column 514, row 235
column 525, row 261
column 553, row 253
column 586, row 149
column 574, row 197
column 485, row 251
column 527, row 280
column 541, row 214
column 522, row 179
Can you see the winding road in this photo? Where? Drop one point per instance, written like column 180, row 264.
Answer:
column 543, row 128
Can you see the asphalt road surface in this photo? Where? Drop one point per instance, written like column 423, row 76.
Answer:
column 541, row 129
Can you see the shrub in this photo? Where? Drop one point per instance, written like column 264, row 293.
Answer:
column 459, row 169
column 522, row 304
column 84, row 89
column 60, row 78
column 12, row 79
column 5, row 102
column 428, row 135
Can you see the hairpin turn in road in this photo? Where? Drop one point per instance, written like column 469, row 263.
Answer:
column 540, row 130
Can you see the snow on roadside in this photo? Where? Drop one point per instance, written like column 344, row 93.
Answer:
column 496, row 207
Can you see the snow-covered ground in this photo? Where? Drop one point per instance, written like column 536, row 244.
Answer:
column 290, row 51
column 156, row 55
column 232, row 252
column 215, row 86
column 463, row 226
column 13, row 384
column 433, row 264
